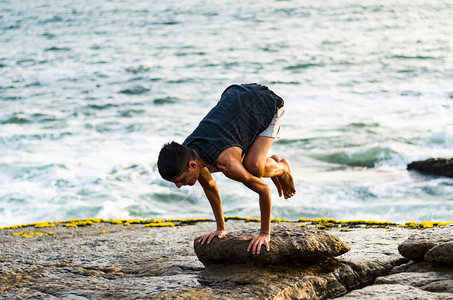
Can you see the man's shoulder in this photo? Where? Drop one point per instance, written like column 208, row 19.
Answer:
column 228, row 156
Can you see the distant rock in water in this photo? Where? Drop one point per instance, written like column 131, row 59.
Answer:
column 434, row 245
column 287, row 246
column 136, row 90
column 434, row 166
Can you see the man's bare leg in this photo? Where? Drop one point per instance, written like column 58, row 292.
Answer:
column 286, row 180
column 277, row 169
column 275, row 179
column 284, row 183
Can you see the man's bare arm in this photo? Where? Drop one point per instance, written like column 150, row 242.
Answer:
column 212, row 193
column 230, row 164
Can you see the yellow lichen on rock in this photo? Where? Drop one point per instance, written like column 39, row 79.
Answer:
column 322, row 223
column 166, row 224
column 410, row 225
column 194, row 220
column 44, row 225
column 133, row 221
column 29, row 235
column 68, row 221
column 35, row 233
column 158, row 221
column 83, row 223
column 425, row 224
column 174, row 220
column 92, row 220
column 252, row 220
column 114, row 221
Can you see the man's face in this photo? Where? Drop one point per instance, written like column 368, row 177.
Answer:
column 188, row 177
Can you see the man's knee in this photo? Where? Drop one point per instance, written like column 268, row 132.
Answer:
column 254, row 168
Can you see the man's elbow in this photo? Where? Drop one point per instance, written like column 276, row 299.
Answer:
column 264, row 191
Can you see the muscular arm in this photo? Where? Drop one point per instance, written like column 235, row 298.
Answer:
column 212, row 193
column 230, row 164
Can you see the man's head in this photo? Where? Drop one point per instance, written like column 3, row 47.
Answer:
column 178, row 164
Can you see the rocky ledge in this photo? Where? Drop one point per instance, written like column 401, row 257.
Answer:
column 105, row 261
column 433, row 166
column 429, row 274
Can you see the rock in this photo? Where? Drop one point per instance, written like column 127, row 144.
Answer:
column 433, row 281
column 287, row 246
column 428, row 279
column 137, row 262
column 419, row 244
column 421, row 267
column 442, row 253
column 391, row 291
column 322, row 280
column 434, row 166
column 415, row 280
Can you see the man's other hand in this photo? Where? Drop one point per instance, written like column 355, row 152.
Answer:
column 257, row 240
column 209, row 236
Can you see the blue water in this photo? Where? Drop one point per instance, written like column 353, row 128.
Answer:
column 90, row 90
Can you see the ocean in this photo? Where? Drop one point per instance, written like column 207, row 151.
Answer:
column 91, row 90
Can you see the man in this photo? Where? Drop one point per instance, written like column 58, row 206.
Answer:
column 233, row 138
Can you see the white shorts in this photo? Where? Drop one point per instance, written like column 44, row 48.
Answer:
column 273, row 129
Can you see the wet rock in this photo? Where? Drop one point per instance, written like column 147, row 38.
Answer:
column 288, row 245
column 420, row 244
column 434, row 166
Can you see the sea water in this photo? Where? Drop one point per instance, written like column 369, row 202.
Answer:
column 91, row 90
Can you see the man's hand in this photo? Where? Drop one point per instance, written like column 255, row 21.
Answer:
column 257, row 240
column 209, row 236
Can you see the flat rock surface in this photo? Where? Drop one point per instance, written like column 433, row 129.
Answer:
column 439, row 240
column 289, row 245
column 137, row 262
column 414, row 280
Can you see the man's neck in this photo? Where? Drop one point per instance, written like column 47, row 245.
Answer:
column 204, row 164
column 200, row 162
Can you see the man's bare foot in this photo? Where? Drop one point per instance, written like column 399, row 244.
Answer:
column 275, row 179
column 286, row 181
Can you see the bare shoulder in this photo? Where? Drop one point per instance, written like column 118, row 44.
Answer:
column 229, row 157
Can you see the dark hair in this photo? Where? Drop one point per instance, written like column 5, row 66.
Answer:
column 173, row 160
